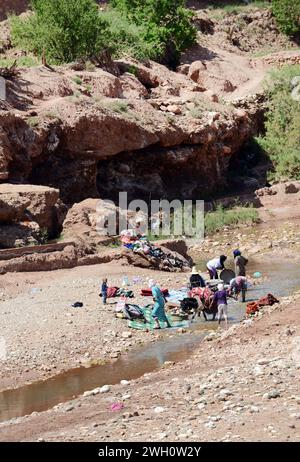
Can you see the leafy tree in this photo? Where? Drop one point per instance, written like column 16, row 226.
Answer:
column 62, row 29
column 287, row 14
column 167, row 22
column 282, row 138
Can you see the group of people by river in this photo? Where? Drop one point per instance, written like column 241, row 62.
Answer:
column 219, row 296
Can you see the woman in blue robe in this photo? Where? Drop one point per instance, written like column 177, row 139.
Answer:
column 158, row 312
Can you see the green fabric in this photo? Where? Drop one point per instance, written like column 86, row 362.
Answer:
column 150, row 324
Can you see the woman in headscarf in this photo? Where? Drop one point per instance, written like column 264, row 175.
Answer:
column 240, row 263
column 214, row 265
column 158, row 312
column 196, row 280
column 238, row 285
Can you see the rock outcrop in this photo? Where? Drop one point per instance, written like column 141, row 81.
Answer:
column 67, row 258
column 27, row 213
column 86, row 223
column 85, row 121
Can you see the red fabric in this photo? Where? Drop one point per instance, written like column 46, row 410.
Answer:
column 111, row 291
column 204, row 293
column 268, row 300
column 148, row 292
column 253, row 307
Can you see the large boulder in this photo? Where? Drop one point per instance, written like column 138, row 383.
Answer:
column 132, row 87
column 28, row 214
column 12, row 207
column 88, row 222
column 19, row 234
column 32, row 202
column 292, row 188
column 196, row 71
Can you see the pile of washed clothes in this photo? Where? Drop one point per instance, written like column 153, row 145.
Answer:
column 118, row 292
column 141, row 245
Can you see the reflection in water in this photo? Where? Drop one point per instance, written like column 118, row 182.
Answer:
column 43, row 395
column 282, row 279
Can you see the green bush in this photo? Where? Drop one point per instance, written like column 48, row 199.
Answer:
column 167, row 25
column 282, row 138
column 128, row 38
column 62, row 29
column 66, row 30
column 287, row 14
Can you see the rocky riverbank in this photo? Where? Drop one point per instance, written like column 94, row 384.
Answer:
column 240, row 386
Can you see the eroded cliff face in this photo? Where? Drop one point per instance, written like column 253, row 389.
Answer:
column 93, row 134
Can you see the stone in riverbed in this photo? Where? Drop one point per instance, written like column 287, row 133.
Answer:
column 254, row 409
column 159, row 409
column 210, row 425
column 105, row 389
column 69, row 408
column 272, row 394
column 124, row 382
column 126, row 334
column 263, row 362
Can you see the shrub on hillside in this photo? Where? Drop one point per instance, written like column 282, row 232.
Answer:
column 282, row 138
column 167, row 25
column 62, row 29
column 287, row 14
column 127, row 37
column 66, row 30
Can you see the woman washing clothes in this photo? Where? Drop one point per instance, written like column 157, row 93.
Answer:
column 238, row 285
column 214, row 265
column 196, row 280
column 158, row 312
column 240, row 263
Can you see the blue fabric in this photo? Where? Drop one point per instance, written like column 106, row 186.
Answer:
column 159, row 305
column 177, row 295
column 129, row 246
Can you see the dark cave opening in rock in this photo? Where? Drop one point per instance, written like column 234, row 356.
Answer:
column 182, row 172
